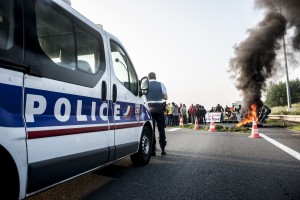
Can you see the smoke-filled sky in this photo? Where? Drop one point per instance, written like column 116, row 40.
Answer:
column 189, row 44
column 254, row 62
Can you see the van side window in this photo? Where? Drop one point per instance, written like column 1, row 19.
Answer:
column 69, row 47
column 6, row 24
column 55, row 35
column 87, row 52
column 123, row 68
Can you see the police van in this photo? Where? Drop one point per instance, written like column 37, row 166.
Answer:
column 70, row 99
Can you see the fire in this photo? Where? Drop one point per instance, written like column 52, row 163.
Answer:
column 251, row 115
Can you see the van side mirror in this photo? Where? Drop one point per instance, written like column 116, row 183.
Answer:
column 144, row 86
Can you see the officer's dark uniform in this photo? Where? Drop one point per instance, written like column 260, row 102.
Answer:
column 156, row 108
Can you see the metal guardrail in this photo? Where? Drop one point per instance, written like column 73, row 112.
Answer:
column 290, row 118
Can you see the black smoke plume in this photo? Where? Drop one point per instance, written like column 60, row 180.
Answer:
column 290, row 9
column 255, row 58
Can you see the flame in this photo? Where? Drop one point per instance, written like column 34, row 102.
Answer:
column 251, row 115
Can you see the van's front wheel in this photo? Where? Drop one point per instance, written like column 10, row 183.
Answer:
column 9, row 184
column 142, row 157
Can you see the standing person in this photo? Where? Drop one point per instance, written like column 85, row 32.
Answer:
column 189, row 116
column 179, row 108
column 166, row 113
column 192, row 112
column 176, row 115
column 228, row 111
column 198, row 113
column 203, row 113
column 183, row 113
column 170, row 114
column 157, row 93
column 220, row 109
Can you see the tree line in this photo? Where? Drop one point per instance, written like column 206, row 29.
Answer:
column 277, row 95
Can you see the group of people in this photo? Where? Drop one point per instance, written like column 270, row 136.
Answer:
column 196, row 112
column 175, row 113
column 228, row 113
column 172, row 113
column 169, row 114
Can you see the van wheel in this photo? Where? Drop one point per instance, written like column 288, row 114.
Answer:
column 142, row 157
column 9, row 187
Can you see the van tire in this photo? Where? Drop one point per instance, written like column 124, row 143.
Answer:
column 9, row 188
column 142, row 157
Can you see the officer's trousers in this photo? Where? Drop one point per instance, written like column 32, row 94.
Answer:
column 157, row 112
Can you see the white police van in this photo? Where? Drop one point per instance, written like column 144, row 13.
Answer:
column 70, row 99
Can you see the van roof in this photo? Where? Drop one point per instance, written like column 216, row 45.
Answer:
column 77, row 14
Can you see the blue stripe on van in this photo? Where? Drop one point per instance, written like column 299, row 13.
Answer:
column 11, row 106
column 11, row 109
column 129, row 112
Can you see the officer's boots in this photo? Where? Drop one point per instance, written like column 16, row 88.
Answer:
column 162, row 146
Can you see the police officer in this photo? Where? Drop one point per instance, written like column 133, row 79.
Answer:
column 157, row 93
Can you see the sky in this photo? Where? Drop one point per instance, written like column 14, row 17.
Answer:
column 187, row 43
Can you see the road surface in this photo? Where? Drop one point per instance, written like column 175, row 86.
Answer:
column 199, row 165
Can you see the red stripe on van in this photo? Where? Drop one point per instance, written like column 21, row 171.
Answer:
column 121, row 126
column 73, row 131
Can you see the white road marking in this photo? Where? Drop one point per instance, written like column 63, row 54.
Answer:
column 174, row 129
column 282, row 147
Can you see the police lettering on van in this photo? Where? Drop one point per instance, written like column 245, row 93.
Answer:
column 71, row 101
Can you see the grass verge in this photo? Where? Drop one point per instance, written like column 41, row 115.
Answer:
column 282, row 110
column 289, row 125
column 220, row 128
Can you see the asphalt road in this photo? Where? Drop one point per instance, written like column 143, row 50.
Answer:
column 198, row 165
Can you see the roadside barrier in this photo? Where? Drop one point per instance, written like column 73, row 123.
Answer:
column 290, row 118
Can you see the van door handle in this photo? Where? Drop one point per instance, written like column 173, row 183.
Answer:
column 114, row 93
column 103, row 91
